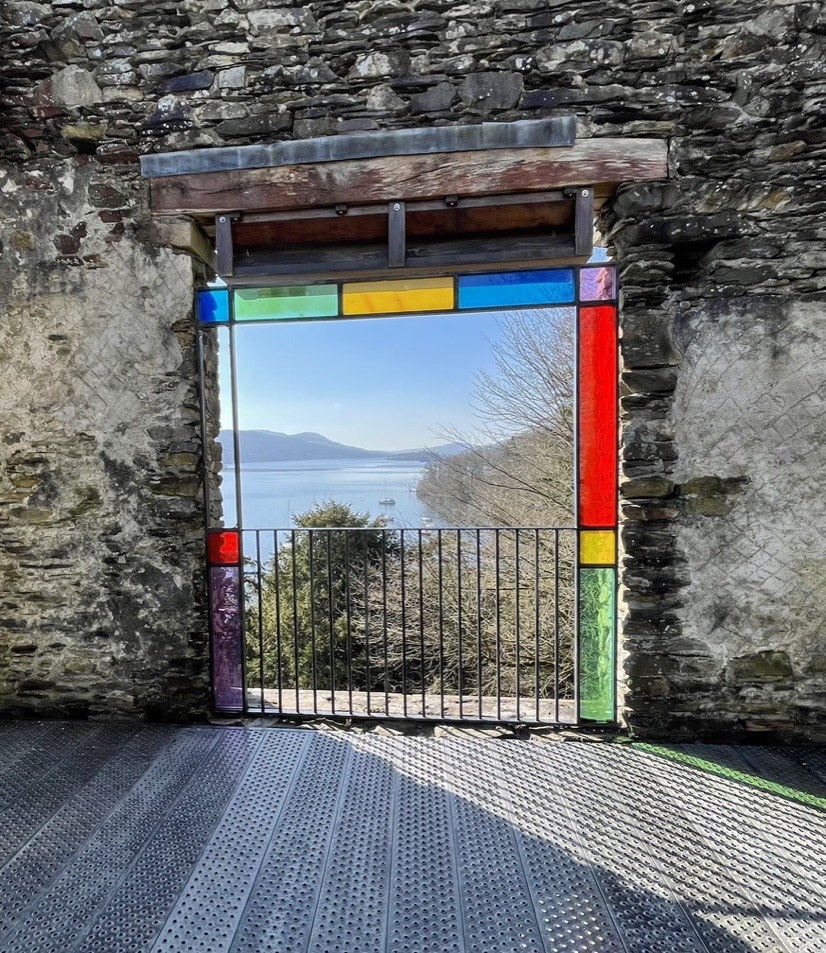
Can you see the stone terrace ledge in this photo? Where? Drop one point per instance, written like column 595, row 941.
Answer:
column 116, row 837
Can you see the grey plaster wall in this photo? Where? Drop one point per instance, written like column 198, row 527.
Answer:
column 722, row 316
column 101, row 536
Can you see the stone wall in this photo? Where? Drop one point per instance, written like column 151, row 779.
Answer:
column 722, row 316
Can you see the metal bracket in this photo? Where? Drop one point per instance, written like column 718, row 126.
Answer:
column 396, row 235
column 583, row 219
column 224, row 254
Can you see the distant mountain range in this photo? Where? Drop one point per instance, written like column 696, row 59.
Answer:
column 269, row 446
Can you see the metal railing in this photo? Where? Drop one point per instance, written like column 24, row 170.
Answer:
column 444, row 624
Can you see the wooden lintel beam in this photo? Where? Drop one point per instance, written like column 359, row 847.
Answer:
column 592, row 162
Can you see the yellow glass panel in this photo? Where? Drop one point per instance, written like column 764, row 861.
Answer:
column 397, row 297
column 598, row 547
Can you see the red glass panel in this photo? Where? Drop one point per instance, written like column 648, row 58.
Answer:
column 598, row 370
column 224, row 549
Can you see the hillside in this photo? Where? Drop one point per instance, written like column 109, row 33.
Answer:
column 269, row 446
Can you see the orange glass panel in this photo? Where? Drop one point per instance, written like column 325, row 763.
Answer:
column 598, row 547
column 398, row 297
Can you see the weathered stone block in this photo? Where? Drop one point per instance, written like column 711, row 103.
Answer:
column 766, row 666
column 72, row 86
column 491, row 91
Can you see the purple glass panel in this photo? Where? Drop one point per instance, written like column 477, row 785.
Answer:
column 597, row 284
column 225, row 606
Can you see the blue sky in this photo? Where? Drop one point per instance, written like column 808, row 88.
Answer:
column 380, row 383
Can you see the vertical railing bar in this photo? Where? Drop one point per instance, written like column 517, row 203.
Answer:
column 517, row 621
column 295, row 621
column 404, row 625
column 556, row 624
column 459, row 685
column 236, row 441
column 348, row 619
column 498, row 609
column 260, row 582
column 277, row 574
column 329, row 536
column 441, row 625
column 479, row 618
column 536, row 661
column 384, row 617
column 421, row 623
column 311, row 556
column 366, row 623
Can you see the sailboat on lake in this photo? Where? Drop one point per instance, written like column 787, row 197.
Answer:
column 386, row 500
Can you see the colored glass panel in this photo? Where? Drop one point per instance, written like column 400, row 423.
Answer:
column 223, row 548
column 212, row 307
column 225, row 616
column 516, row 289
column 597, row 284
column 597, row 662
column 598, row 417
column 397, row 297
column 598, row 547
column 294, row 302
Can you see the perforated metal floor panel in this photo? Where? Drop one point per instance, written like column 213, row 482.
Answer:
column 128, row 839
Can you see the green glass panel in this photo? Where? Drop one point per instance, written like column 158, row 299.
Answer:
column 292, row 303
column 597, row 626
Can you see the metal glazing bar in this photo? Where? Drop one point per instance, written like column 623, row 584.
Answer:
column 239, row 522
column 277, row 581
column 311, row 557
column 205, row 463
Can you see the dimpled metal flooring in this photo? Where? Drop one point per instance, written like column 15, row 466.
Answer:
column 122, row 839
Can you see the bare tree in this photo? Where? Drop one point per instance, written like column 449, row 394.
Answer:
column 517, row 467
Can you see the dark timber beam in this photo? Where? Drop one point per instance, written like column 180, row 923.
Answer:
column 591, row 162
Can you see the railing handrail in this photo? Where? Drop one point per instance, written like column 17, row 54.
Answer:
column 405, row 529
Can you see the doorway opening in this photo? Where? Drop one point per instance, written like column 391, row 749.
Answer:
column 485, row 594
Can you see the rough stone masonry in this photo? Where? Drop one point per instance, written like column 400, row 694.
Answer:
column 102, row 605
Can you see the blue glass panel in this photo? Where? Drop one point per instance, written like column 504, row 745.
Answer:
column 213, row 306
column 516, row 289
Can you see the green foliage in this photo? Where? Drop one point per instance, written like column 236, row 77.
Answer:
column 309, row 591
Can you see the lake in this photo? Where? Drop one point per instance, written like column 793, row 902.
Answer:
column 273, row 493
